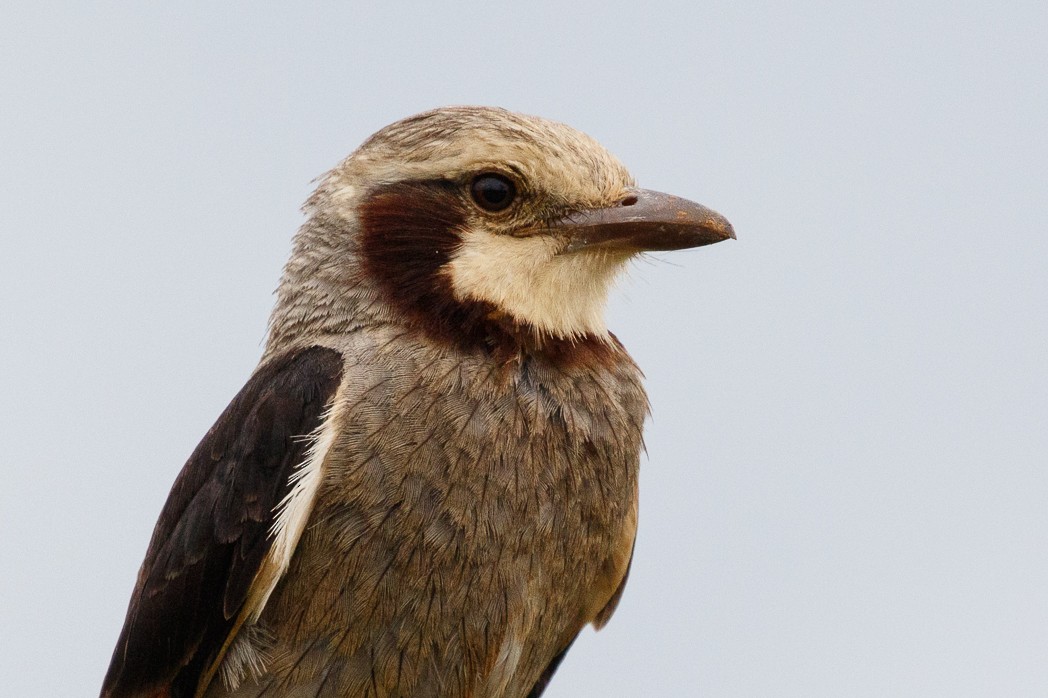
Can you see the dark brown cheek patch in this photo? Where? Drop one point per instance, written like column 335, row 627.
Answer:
column 409, row 231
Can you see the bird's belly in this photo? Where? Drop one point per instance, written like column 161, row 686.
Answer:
column 472, row 597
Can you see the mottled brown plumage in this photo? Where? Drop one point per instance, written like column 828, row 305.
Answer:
column 464, row 494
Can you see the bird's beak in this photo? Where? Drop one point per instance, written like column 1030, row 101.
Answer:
column 645, row 220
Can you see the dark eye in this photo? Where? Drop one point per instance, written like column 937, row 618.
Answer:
column 493, row 192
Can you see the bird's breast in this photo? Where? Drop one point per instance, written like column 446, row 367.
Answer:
column 472, row 518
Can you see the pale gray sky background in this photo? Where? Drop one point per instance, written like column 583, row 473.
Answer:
column 846, row 491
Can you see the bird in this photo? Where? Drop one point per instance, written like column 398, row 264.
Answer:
column 428, row 485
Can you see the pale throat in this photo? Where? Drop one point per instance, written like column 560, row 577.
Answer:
column 560, row 295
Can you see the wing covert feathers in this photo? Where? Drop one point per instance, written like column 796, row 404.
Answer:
column 215, row 529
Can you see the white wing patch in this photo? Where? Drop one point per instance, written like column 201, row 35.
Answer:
column 294, row 509
column 292, row 513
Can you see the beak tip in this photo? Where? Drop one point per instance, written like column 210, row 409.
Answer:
column 722, row 227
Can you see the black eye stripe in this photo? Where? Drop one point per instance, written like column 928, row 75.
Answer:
column 492, row 191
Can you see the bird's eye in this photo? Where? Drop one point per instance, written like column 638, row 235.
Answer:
column 493, row 192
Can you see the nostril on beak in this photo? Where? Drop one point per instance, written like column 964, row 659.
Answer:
column 629, row 201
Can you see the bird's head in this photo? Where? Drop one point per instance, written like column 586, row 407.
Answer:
column 477, row 226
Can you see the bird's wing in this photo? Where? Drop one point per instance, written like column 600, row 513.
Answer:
column 215, row 530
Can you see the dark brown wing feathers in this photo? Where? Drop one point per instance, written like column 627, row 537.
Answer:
column 213, row 532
